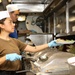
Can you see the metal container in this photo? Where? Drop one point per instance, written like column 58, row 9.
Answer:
column 55, row 65
column 39, row 39
column 71, row 69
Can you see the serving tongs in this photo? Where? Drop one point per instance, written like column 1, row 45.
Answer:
column 22, row 71
column 29, row 58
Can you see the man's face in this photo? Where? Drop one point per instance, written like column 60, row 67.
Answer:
column 14, row 15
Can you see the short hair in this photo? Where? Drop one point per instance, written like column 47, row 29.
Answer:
column 2, row 22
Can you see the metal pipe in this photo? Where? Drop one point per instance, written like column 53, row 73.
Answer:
column 45, row 26
column 48, row 24
column 67, row 18
column 54, row 25
column 22, row 71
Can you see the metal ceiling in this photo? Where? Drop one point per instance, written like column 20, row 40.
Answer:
column 29, row 6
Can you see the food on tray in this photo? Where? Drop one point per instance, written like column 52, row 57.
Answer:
column 62, row 41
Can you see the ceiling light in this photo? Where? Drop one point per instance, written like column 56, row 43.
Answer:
column 0, row 1
column 21, row 18
column 72, row 19
column 9, row 0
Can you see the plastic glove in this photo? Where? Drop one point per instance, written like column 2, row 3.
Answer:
column 53, row 44
column 13, row 57
column 33, row 31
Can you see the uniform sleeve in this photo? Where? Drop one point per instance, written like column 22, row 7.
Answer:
column 21, row 45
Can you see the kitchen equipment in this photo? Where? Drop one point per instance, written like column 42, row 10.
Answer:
column 42, row 73
column 39, row 39
column 71, row 69
column 25, row 71
column 43, row 58
column 71, row 63
column 46, row 52
column 55, row 65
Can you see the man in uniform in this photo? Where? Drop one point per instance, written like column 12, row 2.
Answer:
column 14, row 12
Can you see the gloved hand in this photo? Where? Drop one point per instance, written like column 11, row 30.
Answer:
column 13, row 57
column 33, row 31
column 53, row 44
